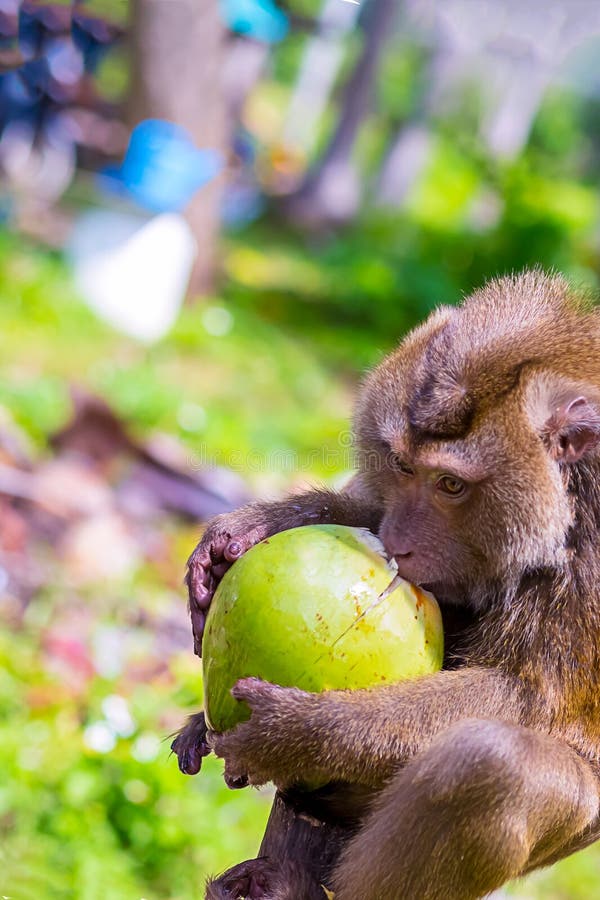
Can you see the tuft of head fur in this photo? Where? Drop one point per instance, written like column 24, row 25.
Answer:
column 463, row 358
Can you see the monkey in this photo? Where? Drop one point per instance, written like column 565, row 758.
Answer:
column 478, row 465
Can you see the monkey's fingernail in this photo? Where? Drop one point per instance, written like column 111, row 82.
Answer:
column 233, row 550
column 236, row 782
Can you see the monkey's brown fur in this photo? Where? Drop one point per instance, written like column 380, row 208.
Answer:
column 479, row 465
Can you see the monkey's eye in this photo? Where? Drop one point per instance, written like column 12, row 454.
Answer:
column 399, row 465
column 451, row 486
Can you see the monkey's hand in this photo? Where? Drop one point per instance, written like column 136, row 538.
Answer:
column 271, row 745
column 225, row 539
column 230, row 535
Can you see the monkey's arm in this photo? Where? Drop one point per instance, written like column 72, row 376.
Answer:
column 228, row 536
column 357, row 736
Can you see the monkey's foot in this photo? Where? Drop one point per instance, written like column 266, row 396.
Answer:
column 190, row 745
column 260, row 879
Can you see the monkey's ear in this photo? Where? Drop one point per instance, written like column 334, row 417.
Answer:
column 572, row 428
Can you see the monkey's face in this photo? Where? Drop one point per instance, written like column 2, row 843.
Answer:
column 462, row 516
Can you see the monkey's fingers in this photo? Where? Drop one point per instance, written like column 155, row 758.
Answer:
column 207, row 565
column 198, row 584
column 234, row 549
column 218, row 742
column 227, row 746
column 201, row 587
column 238, row 544
column 231, row 745
column 198, row 618
column 235, row 781
column 236, row 777
column 250, row 689
column 263, row 697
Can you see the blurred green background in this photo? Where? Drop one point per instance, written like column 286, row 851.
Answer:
column 257, row 375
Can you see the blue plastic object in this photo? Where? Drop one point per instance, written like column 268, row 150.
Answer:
column 162, row 169
column 258, row 19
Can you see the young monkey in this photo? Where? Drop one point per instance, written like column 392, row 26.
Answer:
column 479, row 467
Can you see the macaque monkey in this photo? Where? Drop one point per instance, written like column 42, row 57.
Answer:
column 478, row 465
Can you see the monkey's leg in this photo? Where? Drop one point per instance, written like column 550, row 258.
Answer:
column 589, row 836
column 301, row 845
column 483, row 802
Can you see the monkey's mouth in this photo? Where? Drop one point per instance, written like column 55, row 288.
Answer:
column 438, row 590
column 430, row 586
column 443, row 592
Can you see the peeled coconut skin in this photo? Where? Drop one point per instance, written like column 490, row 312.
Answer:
column 288, row 611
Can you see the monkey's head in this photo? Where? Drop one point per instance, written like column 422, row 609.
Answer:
column 473, row 433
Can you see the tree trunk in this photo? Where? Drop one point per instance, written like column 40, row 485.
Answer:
column 331, row 191
column 177, row 59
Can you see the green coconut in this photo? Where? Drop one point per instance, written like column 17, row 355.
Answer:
column 300, row 609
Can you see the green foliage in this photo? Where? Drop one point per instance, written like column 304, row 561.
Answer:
column 229, row 383
column 575, row 878
column 80, row 823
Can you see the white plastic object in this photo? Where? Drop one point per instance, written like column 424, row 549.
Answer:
column 133, row 270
